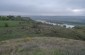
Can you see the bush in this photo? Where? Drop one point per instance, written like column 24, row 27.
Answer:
column 6, row 25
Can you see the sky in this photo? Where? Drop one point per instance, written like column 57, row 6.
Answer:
column 43, row 7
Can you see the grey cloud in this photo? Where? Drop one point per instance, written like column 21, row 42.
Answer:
column 41, row 7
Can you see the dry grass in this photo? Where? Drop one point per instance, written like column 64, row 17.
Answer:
column 42, row 46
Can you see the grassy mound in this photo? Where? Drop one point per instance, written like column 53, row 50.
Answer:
column 42, row 46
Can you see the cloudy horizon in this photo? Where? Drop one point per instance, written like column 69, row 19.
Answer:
column 43, row 7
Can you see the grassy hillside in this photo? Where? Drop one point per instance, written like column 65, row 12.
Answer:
column 21, row 27
column 42, row 46
column 9, row 23
column 24, row 36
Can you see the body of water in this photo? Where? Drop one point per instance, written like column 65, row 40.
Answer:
column 62, row 25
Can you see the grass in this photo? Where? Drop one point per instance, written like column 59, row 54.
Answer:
column 15, row 29
column 14, row 23
column 10, row 23
column 32, row 38
column 42, row 46
column 20, row 29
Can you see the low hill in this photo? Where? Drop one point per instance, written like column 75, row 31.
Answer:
column 42, row 46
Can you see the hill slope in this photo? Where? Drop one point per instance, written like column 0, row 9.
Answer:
column 42, row 46
column 18, row 27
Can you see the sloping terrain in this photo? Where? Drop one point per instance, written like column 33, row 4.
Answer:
column 42, row 46
column 13, row 27
column 20, row 36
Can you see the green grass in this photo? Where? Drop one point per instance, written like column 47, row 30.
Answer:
column 15, row 29
column 14, row 23
column 20, row 29
column 10, row 23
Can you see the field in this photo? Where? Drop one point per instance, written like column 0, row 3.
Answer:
column 42, row 46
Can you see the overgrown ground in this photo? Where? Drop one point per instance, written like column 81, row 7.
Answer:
column 42, row 46
column 27, row 37
column 20, row 29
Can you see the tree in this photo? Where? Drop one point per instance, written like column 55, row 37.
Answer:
column 11, row 17
column 18, row 18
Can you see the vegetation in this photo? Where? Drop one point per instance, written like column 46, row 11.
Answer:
column 19, row 27
column 24, row 36
column 42, row 46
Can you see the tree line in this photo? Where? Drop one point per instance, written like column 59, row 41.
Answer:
column 16, row 18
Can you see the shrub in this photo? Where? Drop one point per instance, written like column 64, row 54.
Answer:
column 6, row 25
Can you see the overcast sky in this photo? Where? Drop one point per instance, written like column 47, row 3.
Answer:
column 42, row 7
